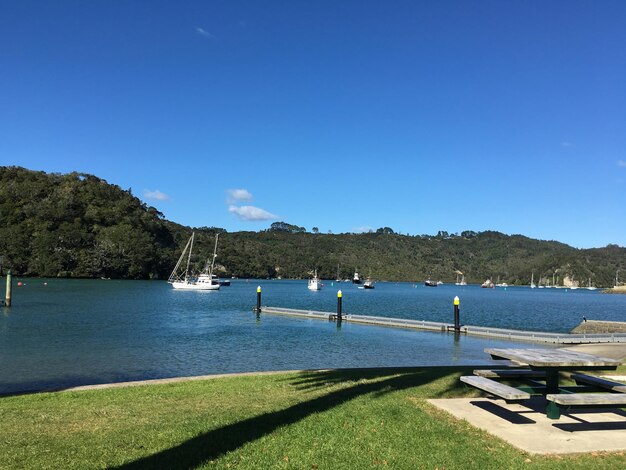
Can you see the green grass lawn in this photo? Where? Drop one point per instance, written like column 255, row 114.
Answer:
column 326, row 420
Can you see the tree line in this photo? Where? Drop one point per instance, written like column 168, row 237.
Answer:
column 78, row 225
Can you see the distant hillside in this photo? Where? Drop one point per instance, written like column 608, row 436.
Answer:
column 78, row 225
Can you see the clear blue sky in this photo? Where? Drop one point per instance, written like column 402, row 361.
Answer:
column 344, row 115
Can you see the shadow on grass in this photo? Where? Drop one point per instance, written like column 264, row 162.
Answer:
column 214, row 443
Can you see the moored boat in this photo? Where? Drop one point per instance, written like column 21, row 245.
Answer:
column 368, row 284
column 430, row 283
column 185, row 280
column 315, row 282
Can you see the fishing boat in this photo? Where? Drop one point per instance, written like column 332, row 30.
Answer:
column 357, row 278
column 185, row 280
column 315, row 282
column 368, row 284
column 430, row 283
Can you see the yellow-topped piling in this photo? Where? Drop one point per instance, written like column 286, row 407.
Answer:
column 339, row 306
column 258, row 300
column 7, row 299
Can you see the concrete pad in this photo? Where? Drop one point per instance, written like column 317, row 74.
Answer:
column 526, row 427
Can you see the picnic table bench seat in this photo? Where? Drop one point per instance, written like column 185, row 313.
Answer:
column 599, row 382
column 588, row 399
column 495, row 388
column 510, row 373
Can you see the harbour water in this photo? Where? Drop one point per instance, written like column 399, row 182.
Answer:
column 62, row 333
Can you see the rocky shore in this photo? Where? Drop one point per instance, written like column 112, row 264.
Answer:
column 597, row 326
column 615, row 290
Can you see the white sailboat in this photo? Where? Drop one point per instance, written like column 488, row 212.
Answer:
column 315, row 282
column 532, row 281
column 590, row 287
column 187, row 281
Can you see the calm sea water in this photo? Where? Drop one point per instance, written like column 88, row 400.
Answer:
column 72, row 332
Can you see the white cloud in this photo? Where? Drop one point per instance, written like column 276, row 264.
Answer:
column 155, row 195
column 621, row 163
column 251, row 213
column 239, row 195
column 363, row 229
column 204, row 32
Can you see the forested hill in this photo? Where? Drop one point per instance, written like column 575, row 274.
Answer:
column 78, row 225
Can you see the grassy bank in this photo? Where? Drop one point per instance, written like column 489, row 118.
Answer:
column 325, row 420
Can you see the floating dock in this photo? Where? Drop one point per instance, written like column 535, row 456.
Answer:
column 423, row 325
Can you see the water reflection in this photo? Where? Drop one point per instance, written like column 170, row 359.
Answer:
column 91, row 331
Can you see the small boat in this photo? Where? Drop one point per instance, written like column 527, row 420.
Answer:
column 590, row 287
column 357, row 278
column 368, row 284
column 315, row 282
column 501, row 284
column 460, row 282
column 488, row 284
column 532, row 281
column 186, row 280
column 430, row 283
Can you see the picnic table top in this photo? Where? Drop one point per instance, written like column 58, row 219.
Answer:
column 559, row 358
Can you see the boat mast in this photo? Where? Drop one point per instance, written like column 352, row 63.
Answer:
column 173, row 277
column 214, row 256
column 189, row 256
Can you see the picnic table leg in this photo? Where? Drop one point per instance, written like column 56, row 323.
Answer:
column 552, row 386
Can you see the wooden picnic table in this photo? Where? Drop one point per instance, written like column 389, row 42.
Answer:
column 551, row 362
